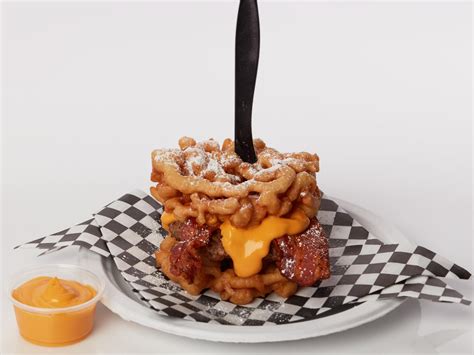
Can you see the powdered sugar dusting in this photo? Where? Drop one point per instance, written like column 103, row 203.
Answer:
column 207, row 160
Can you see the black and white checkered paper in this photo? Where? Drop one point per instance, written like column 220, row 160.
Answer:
column 363, row 268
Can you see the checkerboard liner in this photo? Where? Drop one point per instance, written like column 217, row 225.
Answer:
column 363, row 268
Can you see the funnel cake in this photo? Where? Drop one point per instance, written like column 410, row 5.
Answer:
column 243, row 230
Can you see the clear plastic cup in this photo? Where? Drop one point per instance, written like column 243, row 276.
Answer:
column 56, row 326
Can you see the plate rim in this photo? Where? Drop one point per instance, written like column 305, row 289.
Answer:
column 129, row 309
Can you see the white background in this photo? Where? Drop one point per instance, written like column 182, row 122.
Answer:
column 381, row 91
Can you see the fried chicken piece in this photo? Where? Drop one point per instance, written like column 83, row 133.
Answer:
column 185, row 258
column 303, row 258
column 202, row 277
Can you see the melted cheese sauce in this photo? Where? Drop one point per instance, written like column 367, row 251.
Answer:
column 51, row 292
column 56, row 328
column 248, row 246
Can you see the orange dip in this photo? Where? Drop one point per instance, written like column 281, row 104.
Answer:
column 57, row 327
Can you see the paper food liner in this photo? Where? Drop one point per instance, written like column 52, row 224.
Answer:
column 362, row 267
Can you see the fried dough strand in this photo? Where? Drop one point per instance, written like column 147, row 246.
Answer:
column 238, row 290
column 211, row 183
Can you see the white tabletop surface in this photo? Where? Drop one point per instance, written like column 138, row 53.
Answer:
column 381, row 91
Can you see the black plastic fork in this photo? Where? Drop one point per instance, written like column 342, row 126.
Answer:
column 247, row 49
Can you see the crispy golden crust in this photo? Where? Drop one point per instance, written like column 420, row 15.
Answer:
column 243, row 290
column 211, row 183
column 303, row 258
column 238, row 290
column 202, row 279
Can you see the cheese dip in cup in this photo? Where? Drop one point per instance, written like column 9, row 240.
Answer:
column 55, row 304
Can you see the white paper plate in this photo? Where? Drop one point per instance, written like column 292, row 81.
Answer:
column 120, row 299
